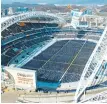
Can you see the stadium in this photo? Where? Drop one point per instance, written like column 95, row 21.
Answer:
column 61, row 55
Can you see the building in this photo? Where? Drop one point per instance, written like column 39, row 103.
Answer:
column 84, row 11
column 22, row 9
column 78, row 18
column 4, row 12
column 10, row 11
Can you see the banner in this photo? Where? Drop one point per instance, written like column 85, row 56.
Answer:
column 23, row 78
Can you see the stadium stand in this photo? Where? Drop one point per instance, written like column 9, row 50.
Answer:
column 15, row 48
column 16, row 28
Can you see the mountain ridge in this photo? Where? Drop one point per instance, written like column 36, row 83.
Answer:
column 57, row 1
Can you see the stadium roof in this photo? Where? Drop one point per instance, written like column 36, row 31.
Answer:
column 105, row 57
column 6, row 18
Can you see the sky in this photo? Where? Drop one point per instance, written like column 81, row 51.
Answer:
column 57, row 1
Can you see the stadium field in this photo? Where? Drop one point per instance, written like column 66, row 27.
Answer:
column 64, row 61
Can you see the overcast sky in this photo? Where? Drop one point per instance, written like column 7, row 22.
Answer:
column 57, row 1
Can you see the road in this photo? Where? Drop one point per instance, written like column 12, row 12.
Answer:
column 9, row 97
